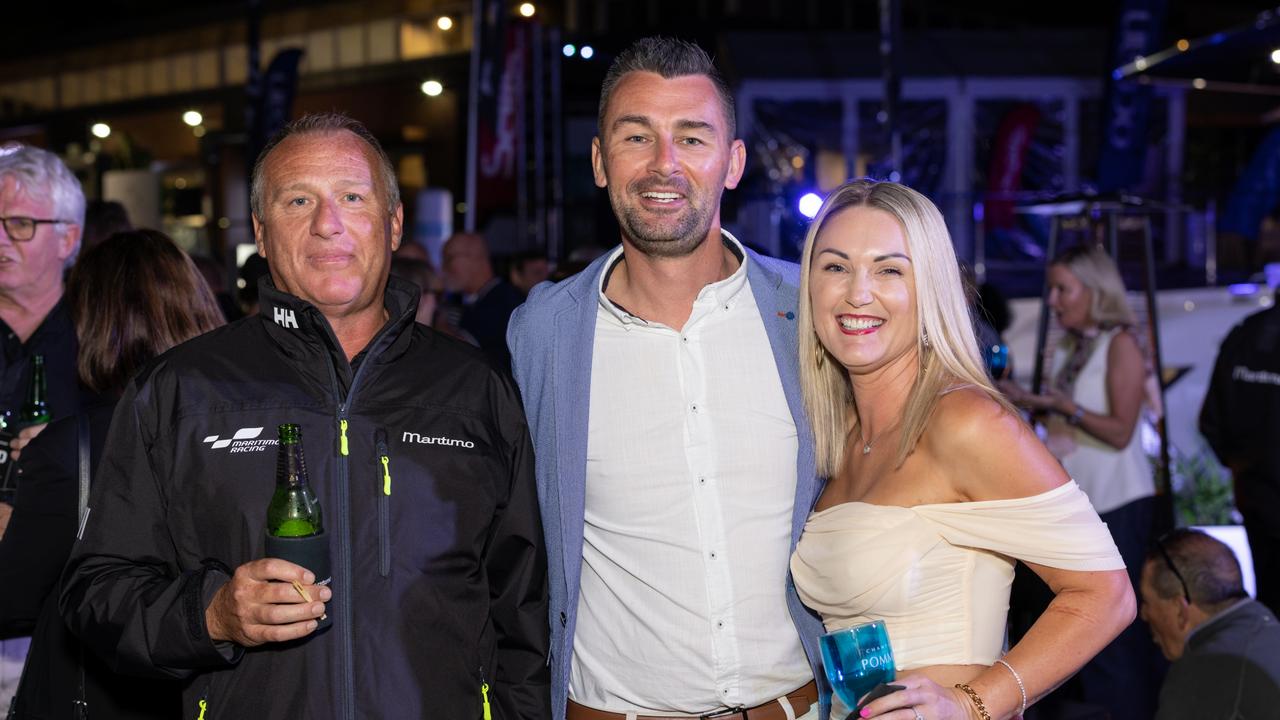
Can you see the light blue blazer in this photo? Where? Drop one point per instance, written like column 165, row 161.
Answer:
column 551, row 339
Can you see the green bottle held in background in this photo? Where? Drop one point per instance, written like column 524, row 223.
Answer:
column 294, row 510
column 36, row 409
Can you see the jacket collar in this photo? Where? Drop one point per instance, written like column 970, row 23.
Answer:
column 300, row 329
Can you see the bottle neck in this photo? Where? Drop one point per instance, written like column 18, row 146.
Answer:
column 291, row 467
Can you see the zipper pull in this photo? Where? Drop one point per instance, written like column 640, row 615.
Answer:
column 204, row 705
column 342, row 436
column 386, row 475
column 484, row 696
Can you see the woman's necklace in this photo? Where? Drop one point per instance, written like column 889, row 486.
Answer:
column 866, row 444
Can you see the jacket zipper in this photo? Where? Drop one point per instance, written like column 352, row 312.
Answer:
column 344, row 536
column 344, row 525
column 484, row 696
column 204, row 705
column 384, row 504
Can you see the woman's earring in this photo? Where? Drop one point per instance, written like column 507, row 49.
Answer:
column 822, row 357
column 924, row 338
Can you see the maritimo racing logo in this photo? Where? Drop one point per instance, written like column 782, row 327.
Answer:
column 244, row 440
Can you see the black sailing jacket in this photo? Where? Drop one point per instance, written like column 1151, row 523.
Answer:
column 421, row 460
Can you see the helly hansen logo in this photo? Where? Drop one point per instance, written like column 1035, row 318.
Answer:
column 285, row 318
column 244, row 440
column 413, row 437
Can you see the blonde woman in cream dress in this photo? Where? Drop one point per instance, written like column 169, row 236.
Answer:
column 935, row 484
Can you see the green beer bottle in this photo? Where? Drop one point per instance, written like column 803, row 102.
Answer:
column 36, row 409
column 294, row 510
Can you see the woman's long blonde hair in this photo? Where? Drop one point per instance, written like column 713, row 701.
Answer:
column 1109, row 303
column 950, row 359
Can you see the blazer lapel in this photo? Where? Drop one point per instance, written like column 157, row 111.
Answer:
column 778, row 302
column 574, row 333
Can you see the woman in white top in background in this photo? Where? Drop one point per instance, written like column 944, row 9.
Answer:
column 1091, row 410
column 935, row 484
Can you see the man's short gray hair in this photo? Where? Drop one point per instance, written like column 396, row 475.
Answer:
column 40, row 173
column 670, row 58
column 1207, row 565
column 325, row 123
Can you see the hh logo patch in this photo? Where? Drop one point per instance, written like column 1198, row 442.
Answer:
column 244, row 440
column 284, row 317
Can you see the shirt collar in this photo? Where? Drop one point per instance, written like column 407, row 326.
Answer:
column 720, row 293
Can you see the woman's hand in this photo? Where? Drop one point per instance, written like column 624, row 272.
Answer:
column 922, row 699
column 24, row 436
column 1053, row 399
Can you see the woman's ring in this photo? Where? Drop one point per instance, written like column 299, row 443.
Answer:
column 917, row 712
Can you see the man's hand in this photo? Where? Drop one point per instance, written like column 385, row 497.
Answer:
column 6, row 510
column 261, row 605
column 24, row 436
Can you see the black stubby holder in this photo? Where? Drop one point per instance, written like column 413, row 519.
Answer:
column 312, row 553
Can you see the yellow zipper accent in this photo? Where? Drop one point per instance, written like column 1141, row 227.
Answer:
column 342, row 437
column 205, row 705
column 484, row 694
column 386, row 475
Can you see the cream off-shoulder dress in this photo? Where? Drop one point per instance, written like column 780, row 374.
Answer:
column 939, row 575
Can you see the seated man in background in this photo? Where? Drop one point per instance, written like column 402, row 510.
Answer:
column 1225, row 646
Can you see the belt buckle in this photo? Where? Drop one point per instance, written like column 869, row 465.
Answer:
column 726, row 713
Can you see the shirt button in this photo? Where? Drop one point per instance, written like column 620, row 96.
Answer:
column 713, row 554
column 693, row 408
column 702, row 481
column 684, row 338
column 720, row 624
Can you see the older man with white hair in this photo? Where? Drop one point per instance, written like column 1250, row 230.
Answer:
column 41, row 213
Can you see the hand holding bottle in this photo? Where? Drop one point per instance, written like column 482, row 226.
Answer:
column 260, row 604
column 24, row 436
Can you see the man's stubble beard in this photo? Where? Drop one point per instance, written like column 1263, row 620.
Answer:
column 687, row 235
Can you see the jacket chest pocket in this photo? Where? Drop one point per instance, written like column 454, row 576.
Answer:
column 382, row 472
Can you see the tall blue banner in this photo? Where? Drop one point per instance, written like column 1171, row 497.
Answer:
column 1128, row 104
column 272, row 105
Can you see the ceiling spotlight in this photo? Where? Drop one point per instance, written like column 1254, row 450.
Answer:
column 100, row 130
column 568, row 50
column 1199, row 84
column 192, row 117
column 1183, row 45
column 587, row 52
column 527, row 9
column 1275, row 56
column 432, row 88
column 444, row 22
column 810, row 204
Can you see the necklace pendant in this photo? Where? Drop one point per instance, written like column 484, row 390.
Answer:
column 866, row 449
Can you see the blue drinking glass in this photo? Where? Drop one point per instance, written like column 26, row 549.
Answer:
column 856, row 659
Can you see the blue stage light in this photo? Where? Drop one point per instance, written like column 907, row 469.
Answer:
column 569, row 50
column 810, row 204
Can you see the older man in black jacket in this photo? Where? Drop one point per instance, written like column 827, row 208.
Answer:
column 1224, row 646
column 417, row 449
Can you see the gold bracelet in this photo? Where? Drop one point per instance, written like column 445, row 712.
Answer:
column 982, row 709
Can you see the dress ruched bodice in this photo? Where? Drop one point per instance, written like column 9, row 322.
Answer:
column 939, row 575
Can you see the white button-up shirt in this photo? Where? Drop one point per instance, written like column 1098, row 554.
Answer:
column 691, row 478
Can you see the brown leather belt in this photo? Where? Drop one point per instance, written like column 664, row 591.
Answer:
column 800, row 699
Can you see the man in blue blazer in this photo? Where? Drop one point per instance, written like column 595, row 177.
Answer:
column 674, row 460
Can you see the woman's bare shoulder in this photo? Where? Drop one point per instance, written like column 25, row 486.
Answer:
column 988, row 452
